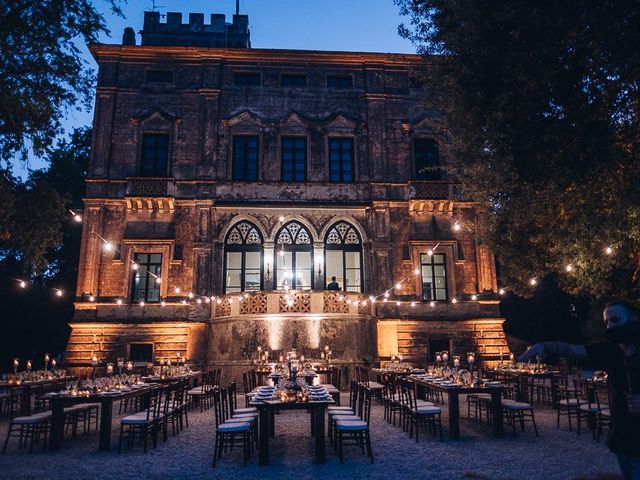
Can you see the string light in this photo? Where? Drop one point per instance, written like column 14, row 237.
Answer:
column 454, row 300
column 190, row 295
column 501, row 291
column 163, row 303
column 59, row 293
column 108, row 246
column 432, row 304
column 142, row 303
column 533, row 282
column 23, row 284
column 416, row 271
column 184, row 302
column 198, row 301
column 177, row 289
column 568, row 268
column 398, row 303
column 398, row 285
column 386, row 294
column 91, row 298
column 413, row 304
column 430, row 252
column 135, row 266
column 457, row 226
column 608, row 250
column 119, row 301
column 474, row 297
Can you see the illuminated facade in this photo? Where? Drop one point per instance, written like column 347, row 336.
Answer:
column 233, row 183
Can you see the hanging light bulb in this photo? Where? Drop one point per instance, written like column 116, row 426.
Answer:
column 456, row 226
column 385, row 300
column 190, row 295
column 416, row 271
column 454, row 300
column 142, row 303
column 533, row 282
column 91, row 298
column 568, row 268
column 608, row 250
column 413, row 304
column 430, row 252
column 364, row 303
column 177, row 289
column 474, row 297
column 398, row 303
column 134, row 266
column 108, row 246
column 184, row 302
column 218, row 301
column 281, row 218
column 398, row 285
column 77, row 218
column 118, row 301
column 23, row 284
column 207, row 299
column 501, row 291
column 59, row 293
column 163, row 303
column 432, row 303
column 198, row 301
column 372, row 298
column 386, row 294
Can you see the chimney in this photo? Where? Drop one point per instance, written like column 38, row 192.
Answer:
column 129, row 36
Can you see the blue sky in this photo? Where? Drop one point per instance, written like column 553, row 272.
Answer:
column 344, row 25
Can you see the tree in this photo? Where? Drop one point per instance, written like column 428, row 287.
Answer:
column 543, row 102
column 42, row 73
column 41, row 244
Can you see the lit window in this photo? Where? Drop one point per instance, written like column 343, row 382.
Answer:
column 434, row 276
column 146, row 278
column 294, row 257
column 343, row 257
column 243, row 258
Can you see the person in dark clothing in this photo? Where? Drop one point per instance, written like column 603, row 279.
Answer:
column 333, row 285
column 619, row 356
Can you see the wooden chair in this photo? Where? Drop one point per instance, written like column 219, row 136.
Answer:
column 230, row 432
column 420, row 413
column 142, row 424
column 356, row 430
column 29, row 429
column 569, row 398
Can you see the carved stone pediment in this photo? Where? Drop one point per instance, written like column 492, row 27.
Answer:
column 155, row 119
column 341, row 123
column 245, row 119
column 295, row 121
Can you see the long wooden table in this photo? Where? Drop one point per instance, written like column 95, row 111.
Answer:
column 60, row 402
column 453, row 393
column 27, row 389
column 266, row 427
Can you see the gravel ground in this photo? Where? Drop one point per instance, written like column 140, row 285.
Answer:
column 555, row 454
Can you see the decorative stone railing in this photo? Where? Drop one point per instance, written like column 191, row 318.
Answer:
column 292, row 301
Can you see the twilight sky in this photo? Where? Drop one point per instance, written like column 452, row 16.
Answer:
column 346, row 25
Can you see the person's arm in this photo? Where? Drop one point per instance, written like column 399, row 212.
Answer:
column 554, row 350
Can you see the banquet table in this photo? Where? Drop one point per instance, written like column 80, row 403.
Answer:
column 266, row 427
column 516, row 374
column 453, row 393
column 61, row 401
column 27, row 388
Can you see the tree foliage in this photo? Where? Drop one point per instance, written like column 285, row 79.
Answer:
column 42, row 73
column 542, row 100
column 36, row 212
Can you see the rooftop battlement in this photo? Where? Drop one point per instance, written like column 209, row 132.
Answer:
column 218, row 33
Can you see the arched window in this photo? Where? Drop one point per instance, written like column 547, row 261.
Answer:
column 294, row 257
column 243, row 251
column 426, row 155
column 343, row 257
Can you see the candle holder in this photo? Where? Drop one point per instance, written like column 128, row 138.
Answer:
column 16, row 364
column 456, row 362
column 109, row 369
column 53, row 365
column 129, row 366
column 28, row 365
column 94, row 364
column 46, row 361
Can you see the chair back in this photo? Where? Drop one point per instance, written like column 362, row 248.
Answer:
column 365, row 405
column 353, row 395
column 217, row 406
column 233, row 398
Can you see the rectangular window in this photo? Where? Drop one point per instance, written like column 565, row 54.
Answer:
column 293, row 80
column 294, row 159
column 244, row 271
column 245, row 158
column 159, row 76
column 341, row 160
column 339, row 81
column 436, row 346
column 434, row 277
column 427, row 159
column 244, row 79
column 146, row 278
column 141, row 352
column 155, row 154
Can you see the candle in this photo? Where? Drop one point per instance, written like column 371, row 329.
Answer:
column 400, row 357
column 94, row 361
column 322, row 355
column 53, row 363
column 28, row 365
column 511, row 357
column 184, row 360
column 168, row 362
column 109, row 368
column 46, row 359
column 438, row 358
column 259, row 349
column 326, row 348
column 302, row 358
column 16, row 364
column 456, row 361
column 129, row 366
column 445, row 357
